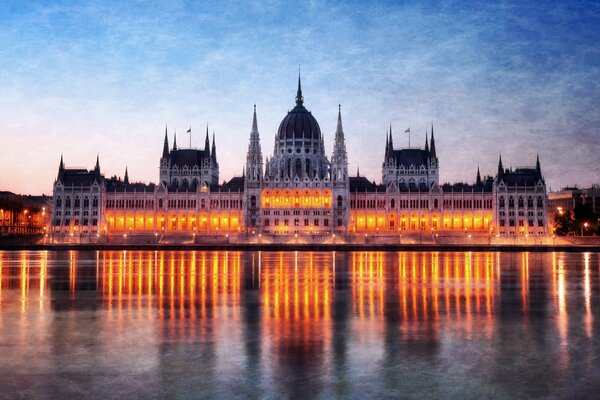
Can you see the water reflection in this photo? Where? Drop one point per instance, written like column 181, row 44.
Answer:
column 251, row 324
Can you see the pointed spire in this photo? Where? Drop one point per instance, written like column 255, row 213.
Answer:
column 426, row 141
column 357, row 170
column 97, row 167
column 126, row 179
column 500, row 168
column 165, row 153
column 432, row 148
column 213, row 153
column 478, row 182
column 254, row 123
column 538, row 167
column 339, row 130
column 387, row 147
column 175, row 140
column 391, row 139
column 206, row 144
column 61, row 166
column 299, row 98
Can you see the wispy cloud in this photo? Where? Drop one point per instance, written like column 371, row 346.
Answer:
column 85, row 77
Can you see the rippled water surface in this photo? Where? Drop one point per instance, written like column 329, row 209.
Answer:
column 151, row 324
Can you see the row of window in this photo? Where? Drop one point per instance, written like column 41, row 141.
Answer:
column 296, row 222
column 77, row 201
column 298, row 212
column 84, row 222
column 172, row 203
column 521, row 222
column 76, row 213
column 521, row 213
column 520, row 202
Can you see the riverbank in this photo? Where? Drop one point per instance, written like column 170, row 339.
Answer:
column 301, row 247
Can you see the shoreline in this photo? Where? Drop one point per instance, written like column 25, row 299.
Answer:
column 302, row 247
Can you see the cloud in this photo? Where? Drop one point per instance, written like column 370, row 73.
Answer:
column 88, row 77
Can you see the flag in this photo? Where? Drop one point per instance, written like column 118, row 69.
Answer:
column 189, row 130
column 407, row 130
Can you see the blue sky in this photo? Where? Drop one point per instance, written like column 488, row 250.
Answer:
column 81, row 78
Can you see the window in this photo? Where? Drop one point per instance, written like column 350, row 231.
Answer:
column 521, row 203
column 68, row 202
column 253, row 201
column 392, row 203
column 502, row 201
column 540, row 202
column 340, row 201
column 511, row 202
column 58, row 202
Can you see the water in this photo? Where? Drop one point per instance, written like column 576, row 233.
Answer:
column 146, row 325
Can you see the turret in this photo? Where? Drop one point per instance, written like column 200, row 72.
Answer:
column 126, row 179
column 432, row 149
column 165, row 152
column 206, row 144
column 254, row 156
column 61, row 169
column 175, row 140
column 538, row 168
column 339, row 158
column 478, row 181
column 500, row 169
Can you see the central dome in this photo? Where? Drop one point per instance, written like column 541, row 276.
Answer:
column 299, row 123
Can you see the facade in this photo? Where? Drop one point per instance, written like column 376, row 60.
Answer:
column 567, row 199
column 299, row 191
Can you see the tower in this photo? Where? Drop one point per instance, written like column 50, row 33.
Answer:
column 254, row 176
column 339, row 177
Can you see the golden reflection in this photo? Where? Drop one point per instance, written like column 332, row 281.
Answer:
column 587, row 296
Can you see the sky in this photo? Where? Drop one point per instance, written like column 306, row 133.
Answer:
column 87, row 78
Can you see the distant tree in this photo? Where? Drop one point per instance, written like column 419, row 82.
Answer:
column 564, row 223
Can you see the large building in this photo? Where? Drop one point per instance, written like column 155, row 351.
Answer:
column 299, row 191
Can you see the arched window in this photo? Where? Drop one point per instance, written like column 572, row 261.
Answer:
column 521, row 202
column 68, row 202
column 58, row 202
column 253, row 201
column 77, row 202
column 202, row 203
column 160, row 203
column 530, row 202
column 340, row 201
column 393, row 203
column 95, row 202
column 86, row 202
column 174, row 182
column 511, row 202
column 435, row 203
column 540, row 202
column 501, row 201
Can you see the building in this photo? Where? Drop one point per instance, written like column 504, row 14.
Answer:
column 567, row 199
column 299, row 191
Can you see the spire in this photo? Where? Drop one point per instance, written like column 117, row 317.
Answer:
column 206, row 143
column 391, row 139
column 61, row 166
column 339, row 158
column 97, row 167
column 126, row 179
column 387, row 147
column 175, row 140
column 538, row 168
column 478, row 182
column 426, row 142
column 339, row 130
column 432, row 148
column 213, row 153
column 254, row 123
column 500, row 168
column 358, row 170
column 166, row 145
column 299, row 98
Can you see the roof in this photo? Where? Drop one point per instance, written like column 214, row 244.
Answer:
column 79, row 177
column 187, row 157
column 362, row 184
column 299, row 124
column 235, row 184
column 486, row 187
column 408, row 157
column 117, row 185
column 521, row 177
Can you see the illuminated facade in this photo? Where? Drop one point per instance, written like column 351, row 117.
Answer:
column 300, row 192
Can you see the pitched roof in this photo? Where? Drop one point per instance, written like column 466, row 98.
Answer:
column 79, row 177
column 187, row 157
column 408, row 157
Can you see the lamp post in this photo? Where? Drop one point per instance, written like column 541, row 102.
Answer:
column 584, row 228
